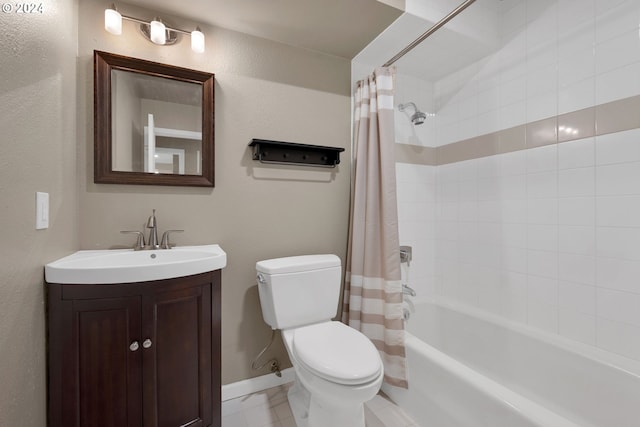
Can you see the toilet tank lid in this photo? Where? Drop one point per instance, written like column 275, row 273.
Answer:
column 296, row 264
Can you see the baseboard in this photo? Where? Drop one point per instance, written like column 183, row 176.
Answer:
column 253, row 385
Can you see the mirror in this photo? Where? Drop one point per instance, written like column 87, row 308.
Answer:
column 153, row 123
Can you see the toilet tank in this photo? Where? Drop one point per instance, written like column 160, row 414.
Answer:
column 299, row 290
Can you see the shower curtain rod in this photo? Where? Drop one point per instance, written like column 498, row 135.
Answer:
column 430, row 31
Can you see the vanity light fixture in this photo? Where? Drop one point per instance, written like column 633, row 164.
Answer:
column 156, row 31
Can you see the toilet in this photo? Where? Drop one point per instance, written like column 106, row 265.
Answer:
column 337, row 368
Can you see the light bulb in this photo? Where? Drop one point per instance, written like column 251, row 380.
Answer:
column 113, row 21
column 197, row 41
column 158, row 32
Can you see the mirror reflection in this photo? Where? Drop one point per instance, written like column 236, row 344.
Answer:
column 156, row 124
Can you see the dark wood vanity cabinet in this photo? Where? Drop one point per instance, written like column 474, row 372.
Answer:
column 135, row 355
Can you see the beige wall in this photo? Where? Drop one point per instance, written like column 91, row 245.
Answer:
column 263, row 90
column 38, row 141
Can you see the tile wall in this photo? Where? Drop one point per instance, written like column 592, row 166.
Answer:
column 416, row 192
column 544, row 234
column 557, row 56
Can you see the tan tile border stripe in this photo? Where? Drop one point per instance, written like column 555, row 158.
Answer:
column 415, row 154
column 615, row 116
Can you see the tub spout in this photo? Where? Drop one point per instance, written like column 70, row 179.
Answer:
column 408, row 290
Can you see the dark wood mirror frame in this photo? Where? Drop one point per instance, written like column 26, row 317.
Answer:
column 104, row 63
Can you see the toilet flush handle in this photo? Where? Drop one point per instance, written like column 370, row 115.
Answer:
column 260, row 278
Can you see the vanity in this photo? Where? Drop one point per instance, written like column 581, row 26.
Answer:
column 134, row 338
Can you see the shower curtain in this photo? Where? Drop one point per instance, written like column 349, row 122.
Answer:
column 373, row 289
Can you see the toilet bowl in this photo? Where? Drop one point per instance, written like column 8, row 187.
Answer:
column 337, row 367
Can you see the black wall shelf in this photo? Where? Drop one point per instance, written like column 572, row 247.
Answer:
column 291, row 153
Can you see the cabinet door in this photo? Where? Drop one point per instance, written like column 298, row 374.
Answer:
column 177, row 357
column 105, row 375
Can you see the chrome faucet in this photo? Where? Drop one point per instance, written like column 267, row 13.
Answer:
column 152, row 225
column 153, row 242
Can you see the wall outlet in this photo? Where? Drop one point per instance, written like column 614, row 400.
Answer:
column 42, row 210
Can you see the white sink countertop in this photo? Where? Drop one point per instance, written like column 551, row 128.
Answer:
column 129, row 266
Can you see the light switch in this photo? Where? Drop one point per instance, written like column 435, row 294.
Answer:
column 42, row 210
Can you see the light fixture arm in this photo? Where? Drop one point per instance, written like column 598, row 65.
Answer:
column 140, row 21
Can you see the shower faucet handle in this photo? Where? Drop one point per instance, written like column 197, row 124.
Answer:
column 406, row 254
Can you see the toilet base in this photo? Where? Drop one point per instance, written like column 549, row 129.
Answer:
column 299, row 399
column 310, row 411
column 321, row 416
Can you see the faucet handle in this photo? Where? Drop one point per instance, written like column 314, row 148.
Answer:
column 165, row 244
column 139, row 242
column 406, row 254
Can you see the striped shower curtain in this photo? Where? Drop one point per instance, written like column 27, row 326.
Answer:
column 373, row 289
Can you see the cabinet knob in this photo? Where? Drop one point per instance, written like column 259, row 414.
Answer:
column 134, row 346
column 146, row 343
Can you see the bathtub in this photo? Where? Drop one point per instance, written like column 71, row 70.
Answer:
column 470, row 369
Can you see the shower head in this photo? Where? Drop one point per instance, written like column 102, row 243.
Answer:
column 418, row 117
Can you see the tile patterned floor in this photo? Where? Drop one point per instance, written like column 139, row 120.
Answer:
column 270, row 408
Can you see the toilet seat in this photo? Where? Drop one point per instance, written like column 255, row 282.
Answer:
column 337, row 353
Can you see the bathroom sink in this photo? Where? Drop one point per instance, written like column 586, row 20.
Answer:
column 128, row 266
